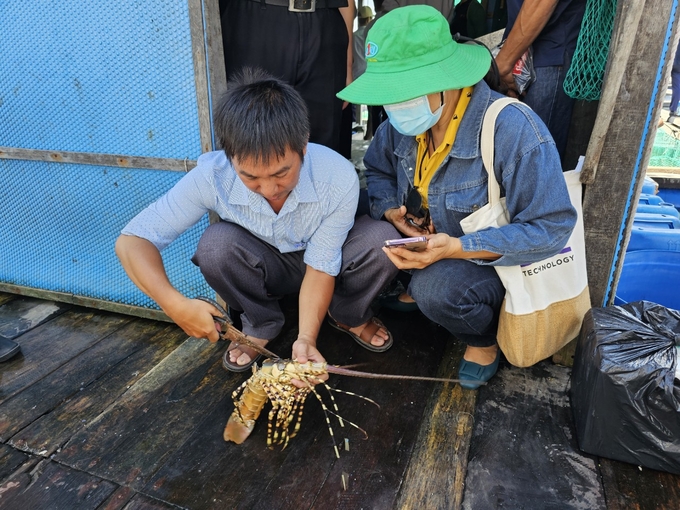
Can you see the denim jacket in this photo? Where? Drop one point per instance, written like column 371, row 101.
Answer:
column 527, row 166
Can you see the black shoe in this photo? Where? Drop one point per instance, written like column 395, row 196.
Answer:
column 8, row 349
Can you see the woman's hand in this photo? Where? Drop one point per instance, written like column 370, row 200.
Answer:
column 439, row 246
column 398, row 217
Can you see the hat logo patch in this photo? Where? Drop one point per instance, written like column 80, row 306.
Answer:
column 371, row 49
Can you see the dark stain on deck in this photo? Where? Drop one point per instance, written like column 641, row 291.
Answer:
column 104, row 411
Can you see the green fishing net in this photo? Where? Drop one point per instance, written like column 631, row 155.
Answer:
column 665, row 151
column 585, row 75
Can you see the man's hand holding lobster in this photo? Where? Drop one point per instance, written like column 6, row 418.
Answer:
column 304, row 350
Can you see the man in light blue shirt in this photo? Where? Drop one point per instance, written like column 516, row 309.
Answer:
column 288, row 225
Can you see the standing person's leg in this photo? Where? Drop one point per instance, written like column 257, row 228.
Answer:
column 547, row 98
column 675, row 94
column 250, row 275
column 322, row 72
column 675, row 85
column 345, row 142
column 365, row 271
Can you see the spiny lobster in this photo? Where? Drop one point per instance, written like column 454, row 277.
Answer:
column 273, row 382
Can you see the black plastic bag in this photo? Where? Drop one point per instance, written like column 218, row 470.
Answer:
column 624, row 395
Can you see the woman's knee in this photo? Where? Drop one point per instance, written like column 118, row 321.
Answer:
column 456, row 293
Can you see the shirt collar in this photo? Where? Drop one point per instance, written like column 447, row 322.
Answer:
column 305, row 191
column 466, row 145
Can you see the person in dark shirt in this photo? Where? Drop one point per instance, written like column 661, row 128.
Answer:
column 551, row 27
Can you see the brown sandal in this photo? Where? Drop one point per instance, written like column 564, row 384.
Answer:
column 364, row 339
column 233, row 367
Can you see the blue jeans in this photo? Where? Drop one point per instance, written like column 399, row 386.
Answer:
column 547, row 98
column 462, row 297
column 675, row 92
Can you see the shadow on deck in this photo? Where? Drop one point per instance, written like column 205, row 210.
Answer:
column 104, row 411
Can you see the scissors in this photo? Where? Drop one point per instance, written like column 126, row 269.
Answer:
column 229, row 332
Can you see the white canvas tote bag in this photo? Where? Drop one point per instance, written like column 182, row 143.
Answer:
column 545, row 301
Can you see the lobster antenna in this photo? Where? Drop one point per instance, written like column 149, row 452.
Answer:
column 332, row 369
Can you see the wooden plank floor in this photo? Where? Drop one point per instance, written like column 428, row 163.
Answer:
column 104, row 411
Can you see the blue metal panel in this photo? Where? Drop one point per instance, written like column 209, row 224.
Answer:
column 101, row 77
column 59, row 222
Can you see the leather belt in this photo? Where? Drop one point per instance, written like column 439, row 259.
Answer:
column 297, row 5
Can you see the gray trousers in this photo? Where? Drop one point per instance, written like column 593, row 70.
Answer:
column 252, row 275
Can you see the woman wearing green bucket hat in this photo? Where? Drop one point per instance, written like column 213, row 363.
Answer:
column 424, row 174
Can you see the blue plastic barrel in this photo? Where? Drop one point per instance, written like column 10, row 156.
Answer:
column 646, row 198
column 650, row 220
column 651, row 275
column 660, row 208
column 671, row 196
column 642, row 238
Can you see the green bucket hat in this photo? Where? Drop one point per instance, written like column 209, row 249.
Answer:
column 410, row 53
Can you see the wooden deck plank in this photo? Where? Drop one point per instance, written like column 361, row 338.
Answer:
column 10, row 460
column 129, row 441
column 47, row 347
column 168, row 425
column 142, row 502
column 441, row 452
column 629, row 487
column 118, row 499
column 56, row 407
column 524, row 452
column 23, row 314
column 58, row 487
column 5, row 298
column 207, row 472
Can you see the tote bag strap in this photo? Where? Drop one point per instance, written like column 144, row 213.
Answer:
column 487, row 145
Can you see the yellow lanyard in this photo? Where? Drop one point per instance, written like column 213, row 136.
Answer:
column 426, row 164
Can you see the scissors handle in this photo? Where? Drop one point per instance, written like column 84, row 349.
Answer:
column 224, row 315
column 230, row 333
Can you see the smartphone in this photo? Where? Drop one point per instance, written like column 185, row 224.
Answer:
column 410, row 243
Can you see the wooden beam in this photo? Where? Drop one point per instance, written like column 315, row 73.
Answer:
column 622, row 139
column 663, row 172
column 213, row 30
column 91, row 158
column 200, row 73
column 100, row 304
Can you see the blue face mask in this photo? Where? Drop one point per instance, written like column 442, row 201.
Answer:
column 413, row 117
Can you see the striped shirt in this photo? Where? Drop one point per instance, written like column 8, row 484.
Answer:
column 316, row 216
